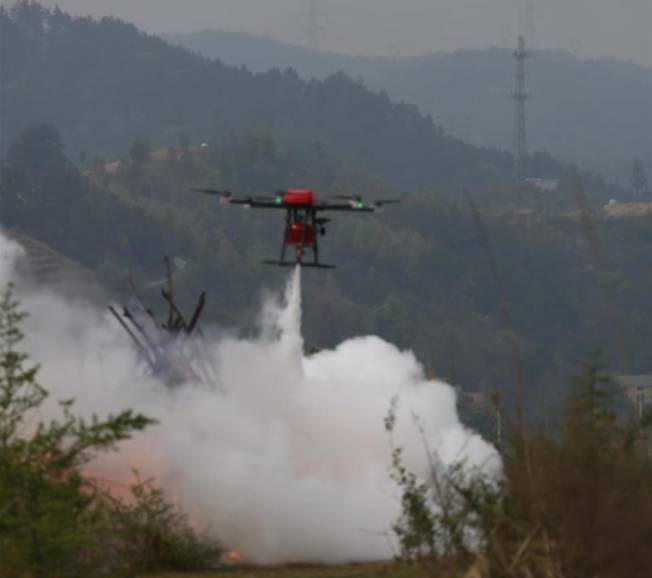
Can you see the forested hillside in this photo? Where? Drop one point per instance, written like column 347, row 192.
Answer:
column 105, row 84
column 526, row 297
column 596, row 111
column 418, row 275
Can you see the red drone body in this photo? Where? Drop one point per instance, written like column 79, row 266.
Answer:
column 299, row 233
column 300, row 197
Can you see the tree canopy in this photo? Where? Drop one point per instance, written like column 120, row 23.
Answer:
column 105, row 84
column 417, row 275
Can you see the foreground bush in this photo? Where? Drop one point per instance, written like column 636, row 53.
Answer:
column 574, row 502
column 53, row 521
column 154, row 536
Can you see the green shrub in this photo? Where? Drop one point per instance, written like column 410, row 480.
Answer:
column 574, row 501
column 53, row 521
column 154, row 536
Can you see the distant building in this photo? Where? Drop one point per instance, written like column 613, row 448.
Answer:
column 638, row 388
column 544, row 185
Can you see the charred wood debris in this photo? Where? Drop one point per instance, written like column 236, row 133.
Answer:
column 173, row 351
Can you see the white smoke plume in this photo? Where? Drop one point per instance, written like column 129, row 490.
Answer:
column 292, row 462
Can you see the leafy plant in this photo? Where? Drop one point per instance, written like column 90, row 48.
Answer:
column 49, row 519
column 573, row 501
column 444, row 510
column 154, row 535
column 55, row 522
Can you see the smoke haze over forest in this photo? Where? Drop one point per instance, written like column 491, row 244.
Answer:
column 435, row 386
column 290, row 460
column 592, row 28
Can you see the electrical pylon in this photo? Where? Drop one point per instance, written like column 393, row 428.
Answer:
column 312, row 25
column 527, row 23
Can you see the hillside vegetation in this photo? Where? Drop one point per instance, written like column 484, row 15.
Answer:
column 496, row 290
column 105, row 84
column 419, row 275
column 593, row 111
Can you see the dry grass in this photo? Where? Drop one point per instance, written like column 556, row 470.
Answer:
column 371, row 570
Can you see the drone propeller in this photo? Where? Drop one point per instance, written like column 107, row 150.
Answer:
column 357, row 198
column 212, row 192
column 279, row 194
column 382, row 202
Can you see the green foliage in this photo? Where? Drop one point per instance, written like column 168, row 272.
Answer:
column 154, row 536
column 443, row 511
column 39, row 183
column 140, row 152
column 416, row 275
column 416, row 528
column 53, row 521
column 47, row 512
column 125, row 84
column 573, row 501
column 19, row 391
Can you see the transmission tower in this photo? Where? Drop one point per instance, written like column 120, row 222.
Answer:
column 520, row 96
column 313, row 29
column 527, row 23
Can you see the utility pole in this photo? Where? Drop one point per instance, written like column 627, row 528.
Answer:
column 312, row 25
column 520, row 96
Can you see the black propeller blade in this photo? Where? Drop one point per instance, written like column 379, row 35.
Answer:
column 212, row 192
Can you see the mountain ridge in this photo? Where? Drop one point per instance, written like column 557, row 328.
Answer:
column 105, row 84
column 595, row 111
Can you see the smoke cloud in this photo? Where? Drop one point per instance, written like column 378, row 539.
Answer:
column 291, row 462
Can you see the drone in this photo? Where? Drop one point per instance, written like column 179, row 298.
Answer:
column 303, row 222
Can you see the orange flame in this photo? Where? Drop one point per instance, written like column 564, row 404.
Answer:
column 235, row 556
column 115, row 474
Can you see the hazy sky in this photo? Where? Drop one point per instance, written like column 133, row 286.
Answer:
column 619, row 28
